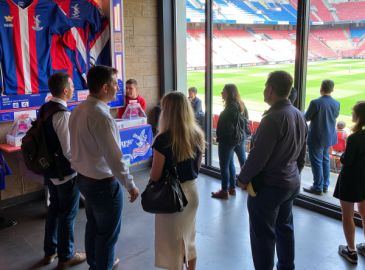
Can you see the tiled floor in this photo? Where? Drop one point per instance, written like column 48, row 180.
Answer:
column 222, row 235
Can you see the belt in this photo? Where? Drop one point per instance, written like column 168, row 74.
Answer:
column 108, row 179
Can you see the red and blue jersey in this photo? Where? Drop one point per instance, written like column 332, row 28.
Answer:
column 92, row 40
column 26, row 30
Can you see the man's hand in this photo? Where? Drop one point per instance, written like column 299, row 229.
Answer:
column 134, row 194
column 243, row 186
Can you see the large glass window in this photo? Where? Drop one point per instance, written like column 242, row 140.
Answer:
column 336, row 52
column 250, row 39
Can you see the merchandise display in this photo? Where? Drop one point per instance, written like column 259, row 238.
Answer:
column 18, row 130
column 92, row 40
column 27, row 26
column 133, row 116
column 41, row 37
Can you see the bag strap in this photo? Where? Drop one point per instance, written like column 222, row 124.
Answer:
column 174, row 164
column 52, row 110
column 58, row 163
column 49, row 113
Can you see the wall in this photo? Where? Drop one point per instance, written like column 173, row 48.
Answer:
column 141, row 50
column 141, row 63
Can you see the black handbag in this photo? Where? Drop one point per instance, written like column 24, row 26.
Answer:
column 165, row 196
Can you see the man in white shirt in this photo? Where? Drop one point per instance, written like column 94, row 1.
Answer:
column 64, row 193
column 98, row 159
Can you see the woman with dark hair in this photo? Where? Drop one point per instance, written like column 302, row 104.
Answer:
column 350, row 186
column 226, row 129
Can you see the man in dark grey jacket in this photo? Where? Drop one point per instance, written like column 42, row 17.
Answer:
column 278, row 153
column 196, row 103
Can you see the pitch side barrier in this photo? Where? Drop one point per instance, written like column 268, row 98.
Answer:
column 272, row 63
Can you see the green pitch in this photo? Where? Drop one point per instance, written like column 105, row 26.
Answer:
column 251, row 82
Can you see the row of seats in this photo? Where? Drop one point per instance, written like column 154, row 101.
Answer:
column 329, row 34
column 236, row 46
column 230, row 9
column 274, row 15
column 357, row 32
column 350, row 10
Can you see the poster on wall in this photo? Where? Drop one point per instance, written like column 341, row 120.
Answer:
column 117, row 46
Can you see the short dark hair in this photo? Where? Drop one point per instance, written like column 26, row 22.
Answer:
column 57, row 82
column 98, row 76
column 281, row 82
column 341, row 124
column 327, row 86
column 132, row 81
column 193, row 89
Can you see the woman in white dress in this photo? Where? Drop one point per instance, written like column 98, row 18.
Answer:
column 178, row 136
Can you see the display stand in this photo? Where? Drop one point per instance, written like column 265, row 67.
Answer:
column 4, row 223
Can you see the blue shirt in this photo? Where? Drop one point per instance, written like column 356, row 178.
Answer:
column 322, row 112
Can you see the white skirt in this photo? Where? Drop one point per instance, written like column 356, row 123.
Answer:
column 172, row 231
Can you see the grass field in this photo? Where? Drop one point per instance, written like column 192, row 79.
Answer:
column 251, row 82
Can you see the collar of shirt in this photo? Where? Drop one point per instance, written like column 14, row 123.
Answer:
column 99, row 102
column 58, row 100
column 326, row 96
column 279, row 104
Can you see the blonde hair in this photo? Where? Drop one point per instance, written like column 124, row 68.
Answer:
column 359, row 110
column 233, row 96
column 177, row 118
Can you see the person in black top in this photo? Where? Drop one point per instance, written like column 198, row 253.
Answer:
column 293, row 95
column 350, row 186
column 233, row 108
column 179, row 136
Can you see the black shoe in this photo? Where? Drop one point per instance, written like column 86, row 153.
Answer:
column 351, row 256
column 361, row 249
column 313, row 191
column 325, row 190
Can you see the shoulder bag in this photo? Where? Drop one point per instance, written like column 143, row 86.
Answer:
column 165, row 196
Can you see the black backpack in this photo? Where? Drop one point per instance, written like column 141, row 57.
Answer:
column 238, row 132
column 38, row 156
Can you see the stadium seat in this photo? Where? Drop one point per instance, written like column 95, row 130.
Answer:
column 340, row 146
column 350, row 10
column 215, row 120
column 255, row 125
column 336, row 161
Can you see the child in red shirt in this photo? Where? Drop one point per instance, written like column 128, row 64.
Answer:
column 131, row 94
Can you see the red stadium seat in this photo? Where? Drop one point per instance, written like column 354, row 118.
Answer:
column 255, row 125
column 341, row 145
column 215, row 120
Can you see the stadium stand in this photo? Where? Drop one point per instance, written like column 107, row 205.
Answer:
column 284, row 33
column 320, row 49
column 271, row 33
column 329, row 34
column 282, row 15
column 357, row 32
column 245, row 11
column 350, row 10
column 236, row 46
column 323, row 12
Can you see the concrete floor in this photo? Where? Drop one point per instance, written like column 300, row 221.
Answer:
column 307, row 179
column 222, row 235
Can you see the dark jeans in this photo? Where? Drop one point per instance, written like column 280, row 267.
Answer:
column 62, row 211
column 320, row 164
column 271, row 223
column 103, row 207
column 226, row 162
